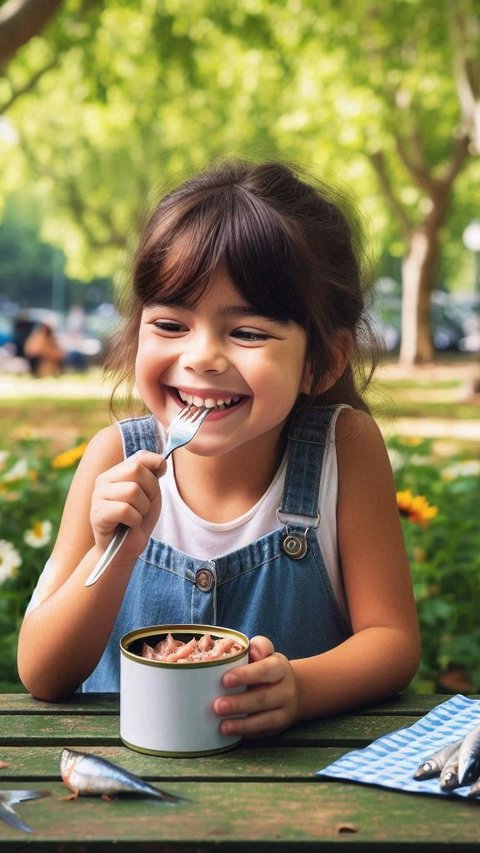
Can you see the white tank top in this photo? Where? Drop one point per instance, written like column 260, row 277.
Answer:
column 182, row 529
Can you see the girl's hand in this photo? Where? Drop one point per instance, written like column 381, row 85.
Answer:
column 269, row 703
column 128, row 493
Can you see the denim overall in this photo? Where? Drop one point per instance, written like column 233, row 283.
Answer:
column 277, row 586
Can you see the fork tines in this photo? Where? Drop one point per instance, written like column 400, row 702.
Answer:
column 193, row 412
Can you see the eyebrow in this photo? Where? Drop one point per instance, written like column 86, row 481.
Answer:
column 248, row 311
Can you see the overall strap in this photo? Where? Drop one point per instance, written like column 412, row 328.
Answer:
column 140, row 434
column 307, row 439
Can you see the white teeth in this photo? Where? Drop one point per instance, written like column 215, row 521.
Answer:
column 208, row 402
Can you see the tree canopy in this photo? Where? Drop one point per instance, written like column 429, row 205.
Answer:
column 381, row 98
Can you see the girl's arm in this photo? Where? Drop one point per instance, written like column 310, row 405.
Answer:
column 63, row 637
column 382, row 655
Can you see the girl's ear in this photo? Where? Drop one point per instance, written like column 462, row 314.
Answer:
column 343, row 348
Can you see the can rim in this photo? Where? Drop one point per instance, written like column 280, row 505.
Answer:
column 194, row 628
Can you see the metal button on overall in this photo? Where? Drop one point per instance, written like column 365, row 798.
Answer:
column 204, row 580
column 295, row 545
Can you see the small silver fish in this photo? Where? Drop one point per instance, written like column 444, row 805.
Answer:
column 434, row 765
column 469, row 757
column 475, row 789
column 88, row 774
column 449, row 774
column 8, row 799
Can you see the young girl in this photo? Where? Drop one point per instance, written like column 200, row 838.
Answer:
column 279, row 519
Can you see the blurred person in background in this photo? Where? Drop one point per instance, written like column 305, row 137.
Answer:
column 44, row 354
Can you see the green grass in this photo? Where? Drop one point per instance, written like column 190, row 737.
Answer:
column 64, row 422
column 11, row 687
column 409, row 384
column 408, row 409
column 410, row 397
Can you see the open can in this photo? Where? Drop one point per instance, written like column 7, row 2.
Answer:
column 166, row 708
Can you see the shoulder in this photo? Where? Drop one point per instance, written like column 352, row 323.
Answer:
column 103, row 450
column 107, row 440
column 356, row 427
column 361, row 451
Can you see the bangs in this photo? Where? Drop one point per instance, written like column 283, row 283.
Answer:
column 227, row 229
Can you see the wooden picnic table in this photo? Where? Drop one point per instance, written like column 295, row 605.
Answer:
column 260, row 796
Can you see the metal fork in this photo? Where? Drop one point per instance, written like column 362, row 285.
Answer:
column 183, row 428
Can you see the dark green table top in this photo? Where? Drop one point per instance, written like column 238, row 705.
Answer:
column 261, row 796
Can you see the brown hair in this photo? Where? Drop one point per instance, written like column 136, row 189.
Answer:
column 291, row 247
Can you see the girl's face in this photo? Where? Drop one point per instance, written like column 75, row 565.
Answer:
column 220, row 353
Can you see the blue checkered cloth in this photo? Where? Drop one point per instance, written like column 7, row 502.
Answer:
column 391, row 760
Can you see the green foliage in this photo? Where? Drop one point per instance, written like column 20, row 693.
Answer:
column 32, row 494
column 24, row 260
column 144, row 93
column 445, row 560
column 29, row 266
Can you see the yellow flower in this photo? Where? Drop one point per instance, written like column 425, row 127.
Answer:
column 415, row 507
column 39, row 535
column 411, row 440
column 69, row 457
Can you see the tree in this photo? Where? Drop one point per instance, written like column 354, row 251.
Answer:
column 20, row 20
column 23, row 20
column 168, row 93
column 432, row 172
column 384, row 81
column 431, row 169
column 361, row 89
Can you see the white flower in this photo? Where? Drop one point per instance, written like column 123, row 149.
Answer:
column 19, row 471
column 10, row 560
column 38, row 535
column 465, row 468
column 420, row 460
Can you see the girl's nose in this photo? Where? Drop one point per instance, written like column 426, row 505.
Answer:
column 204, row 354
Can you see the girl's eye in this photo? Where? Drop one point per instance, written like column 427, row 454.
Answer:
column 169, row 326
column 250, row 335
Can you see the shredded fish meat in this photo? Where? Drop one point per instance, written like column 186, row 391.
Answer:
column 206, row 648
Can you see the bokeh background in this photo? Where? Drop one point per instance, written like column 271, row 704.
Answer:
column 105, row 104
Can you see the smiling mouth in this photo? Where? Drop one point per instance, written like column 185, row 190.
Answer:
column 229, row 401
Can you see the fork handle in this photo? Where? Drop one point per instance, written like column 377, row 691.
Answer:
column 111, row 550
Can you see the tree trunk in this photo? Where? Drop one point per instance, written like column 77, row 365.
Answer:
column 418, row 271
column 420, row 262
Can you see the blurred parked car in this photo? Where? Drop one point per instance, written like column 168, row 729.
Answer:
column 5, row 331
column 467, row 306
column 453, row 328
